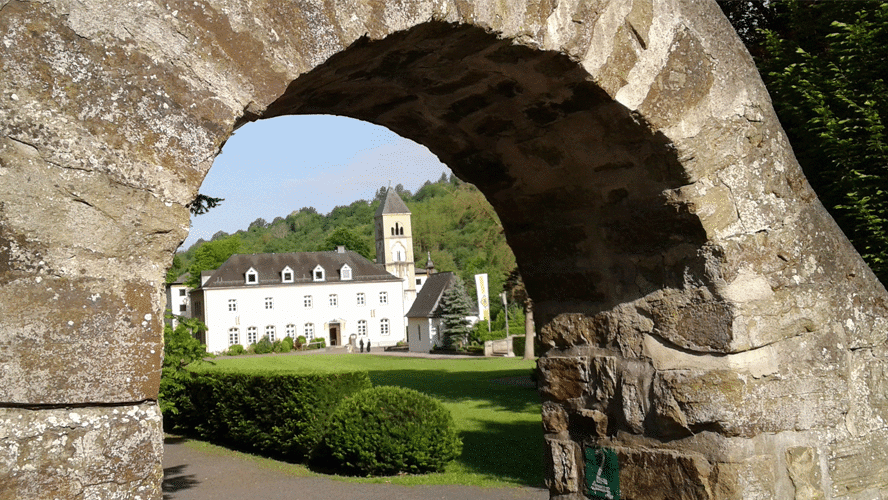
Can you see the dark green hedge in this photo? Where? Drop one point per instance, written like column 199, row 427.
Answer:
column 283, row 415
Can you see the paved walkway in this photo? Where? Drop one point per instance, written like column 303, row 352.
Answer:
column 195, row 474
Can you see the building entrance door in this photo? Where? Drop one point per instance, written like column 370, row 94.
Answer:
column 335, row 337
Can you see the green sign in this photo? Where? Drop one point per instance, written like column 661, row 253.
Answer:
column 602, row 473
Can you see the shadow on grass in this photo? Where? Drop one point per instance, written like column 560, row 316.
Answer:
column 510, row 451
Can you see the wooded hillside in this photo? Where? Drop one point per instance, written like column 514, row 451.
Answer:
column 451, row 219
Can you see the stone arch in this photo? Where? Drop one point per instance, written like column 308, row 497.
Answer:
column 707, row 321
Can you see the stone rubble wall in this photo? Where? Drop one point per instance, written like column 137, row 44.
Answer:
column 705, row 319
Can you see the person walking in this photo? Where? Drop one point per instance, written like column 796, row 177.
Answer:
column 362, row 345
column 368, row 345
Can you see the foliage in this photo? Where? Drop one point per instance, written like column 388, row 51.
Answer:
column 823, row 63
column 451, row 220
column 181, row 349
column 345, row 237
column 235, row 350
column 202, row 203
column 264, row 346
column 284, row 415
column 499, row 423
column 498, row 326
column 390, row 430
column 454, row 307
column 211, row 255
column 284, row 345
column 827, row 77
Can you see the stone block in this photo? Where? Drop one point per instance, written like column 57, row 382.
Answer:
column 564, row 378
column 562, row 461
column 101, row 453
column 647, row 474
column 803, row 466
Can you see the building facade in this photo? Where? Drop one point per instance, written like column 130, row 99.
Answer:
column 330, row 295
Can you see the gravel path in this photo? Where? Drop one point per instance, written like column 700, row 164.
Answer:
column 195, row 474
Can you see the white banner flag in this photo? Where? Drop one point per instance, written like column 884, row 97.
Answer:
column 483, row 299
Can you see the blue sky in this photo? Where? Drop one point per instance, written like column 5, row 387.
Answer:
column 272, row 167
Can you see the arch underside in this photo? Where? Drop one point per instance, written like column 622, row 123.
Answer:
column 704, row 317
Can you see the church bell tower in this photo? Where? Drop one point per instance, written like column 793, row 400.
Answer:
column 394, row 242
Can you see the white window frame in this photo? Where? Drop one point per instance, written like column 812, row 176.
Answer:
column 233, row 336
column 182, row 292
column 361, row 299
column 383, row 297
column 252, row 335
column 270, row 332
column 309, row 331
column 345, row 272
column 307, row 302
column 362, row 327
column 385, row 327
column 291, row 330
column 269, row 303
column 284, row 273
column 318, row 274
column 334, row 300
column 232, row 305
column 251, row 272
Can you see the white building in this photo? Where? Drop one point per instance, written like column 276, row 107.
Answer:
column 423, row 323
column 330, row 295
column 178, row 301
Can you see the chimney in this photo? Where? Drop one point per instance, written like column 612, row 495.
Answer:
column 340, row 249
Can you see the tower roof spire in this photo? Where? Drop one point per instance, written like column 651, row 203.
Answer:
column 392, row 204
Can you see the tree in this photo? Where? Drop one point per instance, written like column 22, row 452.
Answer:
column 514, row 286
column 349, row 240
column 824, row 64
column 181, row 349
column 202, row 203
column 258, row 224
column 211, row 255
column 175, row 270
column 454, row 309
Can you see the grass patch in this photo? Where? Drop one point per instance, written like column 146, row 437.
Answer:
column 497, row 419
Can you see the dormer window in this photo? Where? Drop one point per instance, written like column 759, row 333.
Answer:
column 345, row 272
column 318, row 273
column 251, row 277
column 287, row 275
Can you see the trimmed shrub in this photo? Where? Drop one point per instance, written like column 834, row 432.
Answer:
column 388, row 430
column 282, row 415
column 317, row 344
column 235, row 350
column 264, row 346
column 300, row 342
column 286, row 344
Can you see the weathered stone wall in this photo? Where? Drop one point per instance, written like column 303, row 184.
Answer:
column 707, row 321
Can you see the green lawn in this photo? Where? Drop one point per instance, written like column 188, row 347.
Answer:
column 499, row 422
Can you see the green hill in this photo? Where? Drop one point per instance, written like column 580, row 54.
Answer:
column 451, row 219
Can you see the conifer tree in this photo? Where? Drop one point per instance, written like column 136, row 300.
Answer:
column 454, row 309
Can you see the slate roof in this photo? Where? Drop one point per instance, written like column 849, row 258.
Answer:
column 393, row 204
column 427, row 299
column 269, row 266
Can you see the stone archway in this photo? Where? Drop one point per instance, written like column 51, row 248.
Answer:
column 707, row 321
